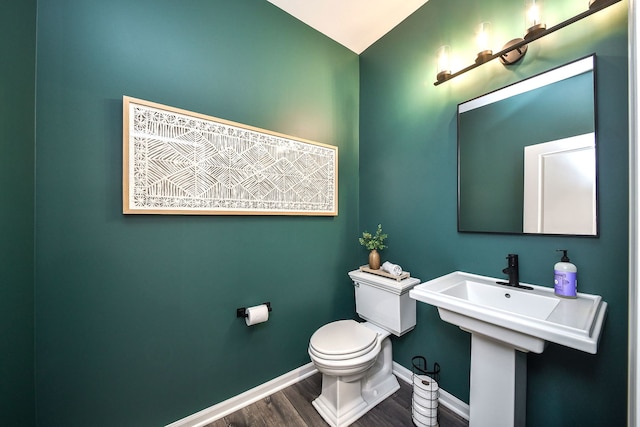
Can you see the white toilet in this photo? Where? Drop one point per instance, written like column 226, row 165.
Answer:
column 355, row 359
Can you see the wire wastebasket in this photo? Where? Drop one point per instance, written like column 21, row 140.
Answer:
column 424, row 408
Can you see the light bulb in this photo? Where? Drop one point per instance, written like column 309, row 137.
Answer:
column 483, row 40
column 533, row 18
column 533, row 14
column 443, row 57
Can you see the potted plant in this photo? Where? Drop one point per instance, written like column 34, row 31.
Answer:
column 374, row 243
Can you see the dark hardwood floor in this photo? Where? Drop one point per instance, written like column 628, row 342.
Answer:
column 292, row 407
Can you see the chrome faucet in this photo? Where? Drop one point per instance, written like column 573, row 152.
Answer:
column 513, row 271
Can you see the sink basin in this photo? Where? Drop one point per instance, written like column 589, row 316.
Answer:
column 506, row 322
column 523, row 318
column 522, row 303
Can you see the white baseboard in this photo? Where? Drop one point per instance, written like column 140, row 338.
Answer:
column 215, row 412
column 446, row 399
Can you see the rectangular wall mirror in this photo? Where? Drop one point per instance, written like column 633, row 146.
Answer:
column 527, row 156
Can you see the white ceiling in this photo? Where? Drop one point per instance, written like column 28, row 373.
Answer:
column 355, row 24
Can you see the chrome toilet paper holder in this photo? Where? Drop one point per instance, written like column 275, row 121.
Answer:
column 242, row 311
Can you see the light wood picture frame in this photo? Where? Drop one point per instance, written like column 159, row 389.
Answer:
column 180, row 162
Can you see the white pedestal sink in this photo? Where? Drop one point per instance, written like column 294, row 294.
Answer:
column 505, row 323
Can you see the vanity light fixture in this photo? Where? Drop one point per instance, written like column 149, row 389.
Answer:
column 515, row 49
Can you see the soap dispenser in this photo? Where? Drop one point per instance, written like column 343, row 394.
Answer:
column 565, row 280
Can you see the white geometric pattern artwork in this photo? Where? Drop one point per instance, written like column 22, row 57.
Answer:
column 180, row 162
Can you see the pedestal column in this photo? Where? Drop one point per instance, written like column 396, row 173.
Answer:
column 498, row 384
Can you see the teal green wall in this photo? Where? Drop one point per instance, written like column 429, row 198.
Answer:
column 408, row 183
column 136, row 314
column 17, row 103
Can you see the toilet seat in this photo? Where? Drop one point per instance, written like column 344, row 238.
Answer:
column 342, row 340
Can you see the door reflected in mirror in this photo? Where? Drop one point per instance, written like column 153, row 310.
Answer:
column 527, row 156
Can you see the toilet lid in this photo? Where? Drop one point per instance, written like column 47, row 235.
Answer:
column 343, row 339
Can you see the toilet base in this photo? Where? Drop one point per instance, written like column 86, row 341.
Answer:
column 353, row 401
column 344, row 400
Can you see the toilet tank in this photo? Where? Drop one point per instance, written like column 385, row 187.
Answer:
column 385, row 302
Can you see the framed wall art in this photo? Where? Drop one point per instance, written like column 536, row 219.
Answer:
column 180, row 162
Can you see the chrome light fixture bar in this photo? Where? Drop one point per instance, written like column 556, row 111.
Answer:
column 515, row 49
